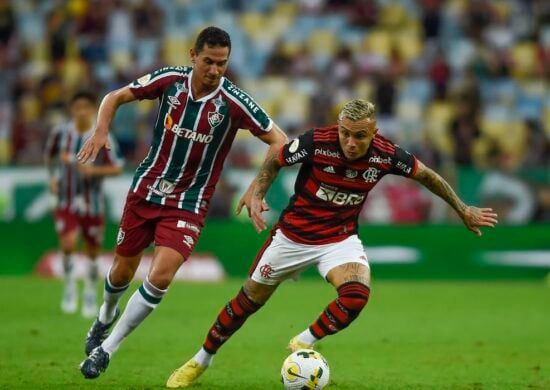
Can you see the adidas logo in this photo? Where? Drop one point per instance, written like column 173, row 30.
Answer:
column 329, row 169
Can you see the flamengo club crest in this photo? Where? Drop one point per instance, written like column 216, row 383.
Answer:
column 214, row 117
column 371, row 175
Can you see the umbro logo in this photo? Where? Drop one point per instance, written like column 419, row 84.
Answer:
column 329, row 169
column 173, row 102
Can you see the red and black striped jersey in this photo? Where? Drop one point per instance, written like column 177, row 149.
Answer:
column 330, row 190
column 191, row 137
column 79, row 194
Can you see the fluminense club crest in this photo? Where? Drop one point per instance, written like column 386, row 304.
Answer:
column 215, row 118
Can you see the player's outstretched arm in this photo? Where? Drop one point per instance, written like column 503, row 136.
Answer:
column 253, row 199
column 106, row 113
column 473, row 217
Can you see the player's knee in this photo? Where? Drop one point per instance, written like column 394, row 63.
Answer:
column 257, row 292
column 354, row 295
column 120, row 275
column 161, row 280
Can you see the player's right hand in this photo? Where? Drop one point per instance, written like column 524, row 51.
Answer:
column 92, row 146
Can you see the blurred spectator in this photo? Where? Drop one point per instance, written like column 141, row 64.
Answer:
column 278, row 63
column 510, row 196
column 440, row 74
column 537, row 150
column 7, row 23
column 464, row 131
column 445, row 75
column 431, row 18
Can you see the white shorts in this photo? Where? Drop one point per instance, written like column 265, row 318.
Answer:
column 284, row 258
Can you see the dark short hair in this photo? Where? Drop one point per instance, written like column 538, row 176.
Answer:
column 87, row 95
column 212, row 37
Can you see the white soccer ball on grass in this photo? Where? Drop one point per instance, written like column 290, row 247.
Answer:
column 305, row 369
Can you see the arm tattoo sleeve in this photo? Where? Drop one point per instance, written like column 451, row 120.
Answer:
column 436, row 184
column 267, row 174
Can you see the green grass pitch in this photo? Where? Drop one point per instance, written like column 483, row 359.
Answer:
column 412, row 335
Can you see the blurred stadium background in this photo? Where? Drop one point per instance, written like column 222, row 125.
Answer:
column 463, row 84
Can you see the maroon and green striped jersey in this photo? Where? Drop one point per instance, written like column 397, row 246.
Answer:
column 331, row 190
column 76, row 193
column 191, row 137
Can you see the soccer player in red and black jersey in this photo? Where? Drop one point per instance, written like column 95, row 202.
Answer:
column 200, row 112
column 340, row 165
column 79, row 197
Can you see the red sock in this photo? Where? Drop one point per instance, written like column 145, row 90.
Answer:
column 352, row 298
column 230, row 319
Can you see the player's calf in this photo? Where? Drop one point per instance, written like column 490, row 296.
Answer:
column 229, row 320
column 352, row 298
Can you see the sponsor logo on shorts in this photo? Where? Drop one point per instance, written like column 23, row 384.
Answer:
column 189, row 241
column 266, row 270
column 188, row 225
column 120, row 236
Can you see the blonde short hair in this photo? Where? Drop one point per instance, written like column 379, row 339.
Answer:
column 357, row 109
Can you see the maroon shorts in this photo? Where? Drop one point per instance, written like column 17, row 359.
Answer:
column 91, row 227
column 144, row 222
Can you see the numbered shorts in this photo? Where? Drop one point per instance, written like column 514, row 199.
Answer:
column 91, row 227
column 281, row 258
column 144, row 222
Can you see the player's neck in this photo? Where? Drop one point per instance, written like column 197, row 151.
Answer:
column 200, row 90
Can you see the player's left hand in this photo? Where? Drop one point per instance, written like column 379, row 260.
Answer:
column 257, row 207
column 246, row 200
column 475, row 217
column 92, row 146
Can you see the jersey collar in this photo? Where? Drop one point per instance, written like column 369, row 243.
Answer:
column 207, row 97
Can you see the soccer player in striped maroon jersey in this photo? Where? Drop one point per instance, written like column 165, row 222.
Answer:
column 340, row 165
column 79, row 197
column 200, row 112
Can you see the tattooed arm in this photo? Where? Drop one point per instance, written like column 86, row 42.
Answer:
column 276, row 139
column 267, row 174
column 472, row 217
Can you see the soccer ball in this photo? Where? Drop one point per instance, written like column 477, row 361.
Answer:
column 305, row 369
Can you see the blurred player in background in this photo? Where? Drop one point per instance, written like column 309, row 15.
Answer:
column 79, row 198
column 199, row 114
column 340, row 165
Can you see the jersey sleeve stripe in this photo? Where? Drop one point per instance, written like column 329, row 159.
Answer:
column 245, row 110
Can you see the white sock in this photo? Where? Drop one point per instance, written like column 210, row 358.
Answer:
column 68, row 274
column 67, row 262
column 203, row 358
column 307, row 338
column 140, row 305
column 111, row 296
column 90, row 280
